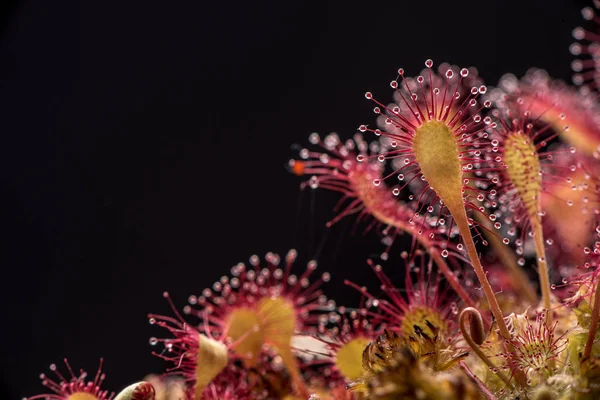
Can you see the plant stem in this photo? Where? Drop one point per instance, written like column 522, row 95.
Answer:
column 460, row 218
column 465, row 232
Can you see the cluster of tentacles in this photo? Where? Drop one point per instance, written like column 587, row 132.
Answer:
column 489, row 195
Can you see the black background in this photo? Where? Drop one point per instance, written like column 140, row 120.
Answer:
column 143, row 146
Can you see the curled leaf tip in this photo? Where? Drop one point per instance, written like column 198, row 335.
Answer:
column 137, row 391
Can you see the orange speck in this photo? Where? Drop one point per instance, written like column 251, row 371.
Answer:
column 298, row 168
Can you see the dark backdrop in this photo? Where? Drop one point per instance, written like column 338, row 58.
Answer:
column 143, row 148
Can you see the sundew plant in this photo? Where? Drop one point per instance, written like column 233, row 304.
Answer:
column 484, row 184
